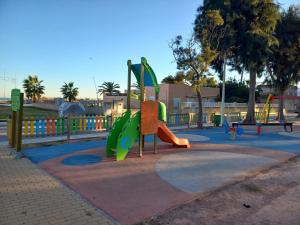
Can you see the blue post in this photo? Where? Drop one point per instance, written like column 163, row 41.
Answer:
column 177, row 119
column 93, row 123
column 88, row 123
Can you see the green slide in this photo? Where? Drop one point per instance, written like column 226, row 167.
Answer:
column 113, row 135
column 128, row 136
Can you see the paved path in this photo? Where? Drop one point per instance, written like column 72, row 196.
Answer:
column 30, row 196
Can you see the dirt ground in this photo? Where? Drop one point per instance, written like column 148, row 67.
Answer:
column 269, row 198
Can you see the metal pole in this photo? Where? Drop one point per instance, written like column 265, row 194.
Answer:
column 223, row 92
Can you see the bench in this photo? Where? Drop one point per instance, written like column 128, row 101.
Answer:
column 284, row 124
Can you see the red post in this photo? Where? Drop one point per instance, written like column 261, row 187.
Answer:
column 53, row 126
column 100, row 122
column 258, row 129
column 48, row 126
column 96, row 122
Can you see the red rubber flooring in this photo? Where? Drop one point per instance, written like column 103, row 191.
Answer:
column 131, row 190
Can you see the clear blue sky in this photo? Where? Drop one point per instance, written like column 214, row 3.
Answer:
column 76, row 40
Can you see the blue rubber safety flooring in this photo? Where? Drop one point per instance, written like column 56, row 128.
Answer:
column 3, row 138
column 43, row 153
column 81, row 160
column 269, row 140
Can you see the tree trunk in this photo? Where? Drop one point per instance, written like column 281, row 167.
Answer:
column 250, row 117
column 242, row 77
column 200, row 112
column 281, row 106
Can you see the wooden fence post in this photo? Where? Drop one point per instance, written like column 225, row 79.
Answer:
column 20, row 124
column 13, row 129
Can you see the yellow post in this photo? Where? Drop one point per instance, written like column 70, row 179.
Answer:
column 26, row 127
column 263, row 116
column 80, row 123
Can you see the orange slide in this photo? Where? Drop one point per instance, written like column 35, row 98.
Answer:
column 166, row 135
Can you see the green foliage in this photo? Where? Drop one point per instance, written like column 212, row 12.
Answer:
column 211, row 29
column 184, row 78
column 283, row 67
column 284, row 61
column 33, row 87
column 237, row 91
column 110, row 88
column 69, row 91
column 249, row 35
column 190, row 57
column 249, row 30
column 195, row 57
column 209, row 82
column 179, row 78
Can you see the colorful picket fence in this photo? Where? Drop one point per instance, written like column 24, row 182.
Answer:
column 55, row 126
column 184, row 119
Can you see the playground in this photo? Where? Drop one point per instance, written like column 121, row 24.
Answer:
column 138, row 188
column 144, row 169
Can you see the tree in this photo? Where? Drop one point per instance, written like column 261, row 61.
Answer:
column 109, row 87
column 69, row 91
column 209, row 82
column 33, row 87
column 177, row 79
column 283, row 67
column 251, row 26
column 195, row 58
column 180, row 78
column 237, row 91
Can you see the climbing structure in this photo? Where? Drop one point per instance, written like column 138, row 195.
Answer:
column 263, row 116
column 151, row 119
column 265, row 113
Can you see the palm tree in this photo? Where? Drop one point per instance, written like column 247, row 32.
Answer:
column 69, row 91
column 109, row 87
column 33, row 88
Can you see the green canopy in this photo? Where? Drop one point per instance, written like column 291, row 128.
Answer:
column 149, row 76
